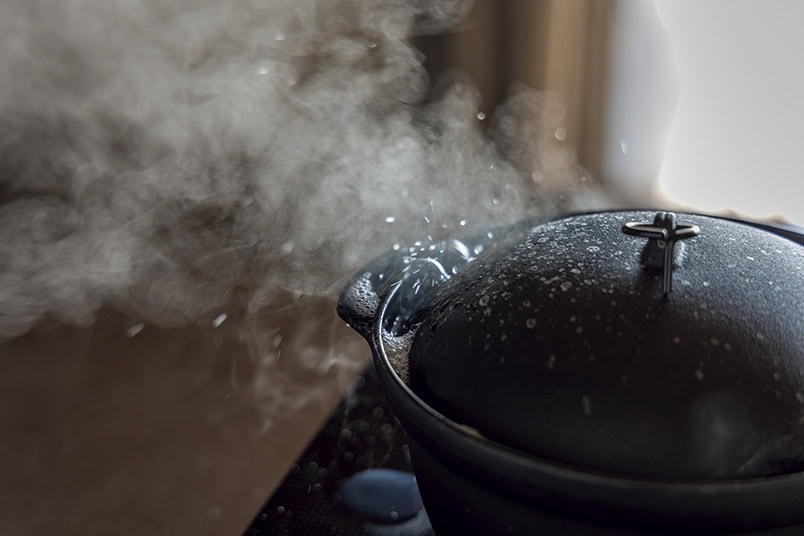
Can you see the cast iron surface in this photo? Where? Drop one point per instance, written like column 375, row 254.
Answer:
column 547, row 493
column 586, row 362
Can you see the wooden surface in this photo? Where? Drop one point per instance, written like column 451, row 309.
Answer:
column 168, row 432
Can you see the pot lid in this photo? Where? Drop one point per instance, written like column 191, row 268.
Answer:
column 628, row 342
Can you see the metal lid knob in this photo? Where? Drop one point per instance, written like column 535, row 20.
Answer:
column 662, row 236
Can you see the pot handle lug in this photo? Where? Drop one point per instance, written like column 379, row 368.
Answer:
column 361, row 297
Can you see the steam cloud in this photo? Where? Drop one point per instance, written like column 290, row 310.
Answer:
column 168, row 157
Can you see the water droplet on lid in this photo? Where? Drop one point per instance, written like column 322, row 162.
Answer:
column 262, row 70
column 280, row 510
column 462, row 223
column 699, row 374
column 566, row 285
column 481, row 116
column 560, row 134
column 593, row 249
column 530, row 323
column 390, row 219
column 706, row 283
column 586, row 404
column 495, row 201
column 279, row 37
column 623, row 147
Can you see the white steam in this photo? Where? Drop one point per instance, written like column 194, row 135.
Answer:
column 171, row 158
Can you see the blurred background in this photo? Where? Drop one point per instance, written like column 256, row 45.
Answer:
column 695, row 103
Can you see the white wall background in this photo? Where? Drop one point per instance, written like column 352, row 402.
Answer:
column 736, row 140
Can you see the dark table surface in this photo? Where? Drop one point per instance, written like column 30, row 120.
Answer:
column 362, row 433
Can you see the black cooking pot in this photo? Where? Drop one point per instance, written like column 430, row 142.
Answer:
column 607, row 373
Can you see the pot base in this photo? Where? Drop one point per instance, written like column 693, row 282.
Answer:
column 457, row 506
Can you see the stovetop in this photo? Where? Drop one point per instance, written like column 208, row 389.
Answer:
column 362, row 434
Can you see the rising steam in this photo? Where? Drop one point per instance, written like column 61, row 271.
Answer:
column 171, row 158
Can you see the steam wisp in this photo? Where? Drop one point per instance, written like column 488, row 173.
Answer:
column 177, row 160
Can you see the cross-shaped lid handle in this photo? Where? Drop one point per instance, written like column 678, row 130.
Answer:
column 662, row 236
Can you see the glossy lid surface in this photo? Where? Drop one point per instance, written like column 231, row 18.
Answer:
column 563, row 344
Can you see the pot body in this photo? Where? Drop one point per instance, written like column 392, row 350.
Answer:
column 472, row 485
column 458, row 506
